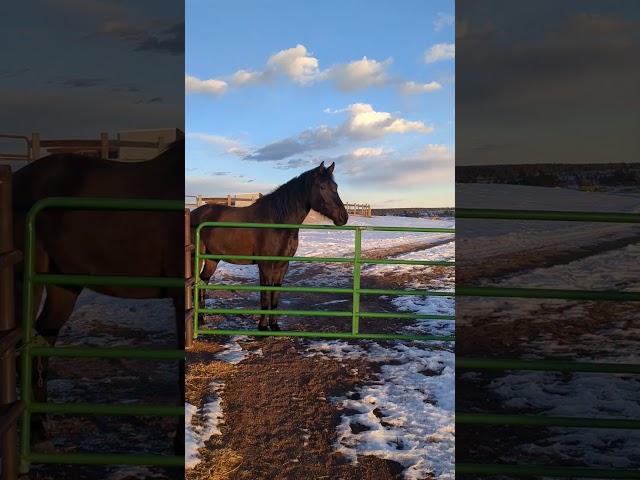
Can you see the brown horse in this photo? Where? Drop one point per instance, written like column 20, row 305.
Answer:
column 290, row 204
column 101, row 242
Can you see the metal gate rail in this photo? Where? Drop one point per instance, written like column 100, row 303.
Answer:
column 546, row 364
column 31, row 350
column 355, row 291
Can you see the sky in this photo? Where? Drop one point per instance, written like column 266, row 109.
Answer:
column 75, row 68
column 547, row 81
column 274, row 89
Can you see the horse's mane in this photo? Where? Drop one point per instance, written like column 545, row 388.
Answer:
column 288, row 198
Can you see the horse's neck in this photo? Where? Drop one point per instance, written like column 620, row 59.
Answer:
column 295, row 213
column 298, row 216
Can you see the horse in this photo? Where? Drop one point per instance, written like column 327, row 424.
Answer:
column 101, row 242
column 289, row 204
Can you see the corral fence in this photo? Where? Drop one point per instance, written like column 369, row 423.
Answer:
column 362, row 209
column 236, row 200
column 545, row 365
column 103, row 147
column 31, row 348
column 357, row 261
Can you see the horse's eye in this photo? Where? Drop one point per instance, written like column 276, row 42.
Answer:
column 323, row 187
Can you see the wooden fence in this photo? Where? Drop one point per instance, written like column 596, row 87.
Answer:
column 362, row 209
column 238, row 200
column 104, row 147
column 10, row 334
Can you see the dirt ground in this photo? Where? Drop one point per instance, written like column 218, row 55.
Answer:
column 279, row 422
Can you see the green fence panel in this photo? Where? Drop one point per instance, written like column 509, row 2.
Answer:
column 548, row 365
column 355, row 291
column 31, row 350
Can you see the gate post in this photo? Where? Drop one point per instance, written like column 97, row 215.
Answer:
column 104, row 145
column 8, row 332
column 35, row 146
column 188, row 280
column 355, row 320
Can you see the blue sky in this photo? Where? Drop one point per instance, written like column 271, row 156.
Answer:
column 75, row 68
column 274, row 88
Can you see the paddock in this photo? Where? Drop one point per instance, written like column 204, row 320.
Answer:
column 11, row 407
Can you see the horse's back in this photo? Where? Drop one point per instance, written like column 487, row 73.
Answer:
column 208, row 213
column 242, row 240
column 104, row 242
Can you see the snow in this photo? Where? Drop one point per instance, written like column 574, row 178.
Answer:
column 421, row 279
column 522, row 197
column 571, row 330
column 336, row 243
column 210, row 416
column 233, row 352
column 495, row 238
column 406, row 414
column 317, row 243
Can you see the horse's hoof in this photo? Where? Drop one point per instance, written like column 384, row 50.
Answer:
column 274, row 327
column 263, row 327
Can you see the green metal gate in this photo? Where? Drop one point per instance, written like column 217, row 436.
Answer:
column 467, row 418
column 31, row 349
column 355, row 291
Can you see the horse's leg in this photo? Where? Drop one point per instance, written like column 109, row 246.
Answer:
column 265, row 297
column 57, row 308
column 279, row 271
column 207, row 271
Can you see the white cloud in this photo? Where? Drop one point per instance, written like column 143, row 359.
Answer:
column 367, row 152
column 362, row 123
column 359, row 74
column 303, row 68
column 365, row 122
column 246, row 77
column 296, row 63
column 439, row 52
column 211, row 87
column 412, row 88
column 431, row 165
column 436, row 152
column 442, row 21
column 226, row 144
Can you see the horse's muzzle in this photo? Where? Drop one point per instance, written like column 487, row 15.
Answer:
column 342, row 219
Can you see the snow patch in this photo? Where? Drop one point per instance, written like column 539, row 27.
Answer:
column 406, row 414
column 234, row 353
column 210, row 417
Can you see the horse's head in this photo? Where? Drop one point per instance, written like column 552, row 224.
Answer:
column 324, row 197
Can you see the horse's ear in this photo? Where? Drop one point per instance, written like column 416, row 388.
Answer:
column 321, row 167
column 331, row 167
